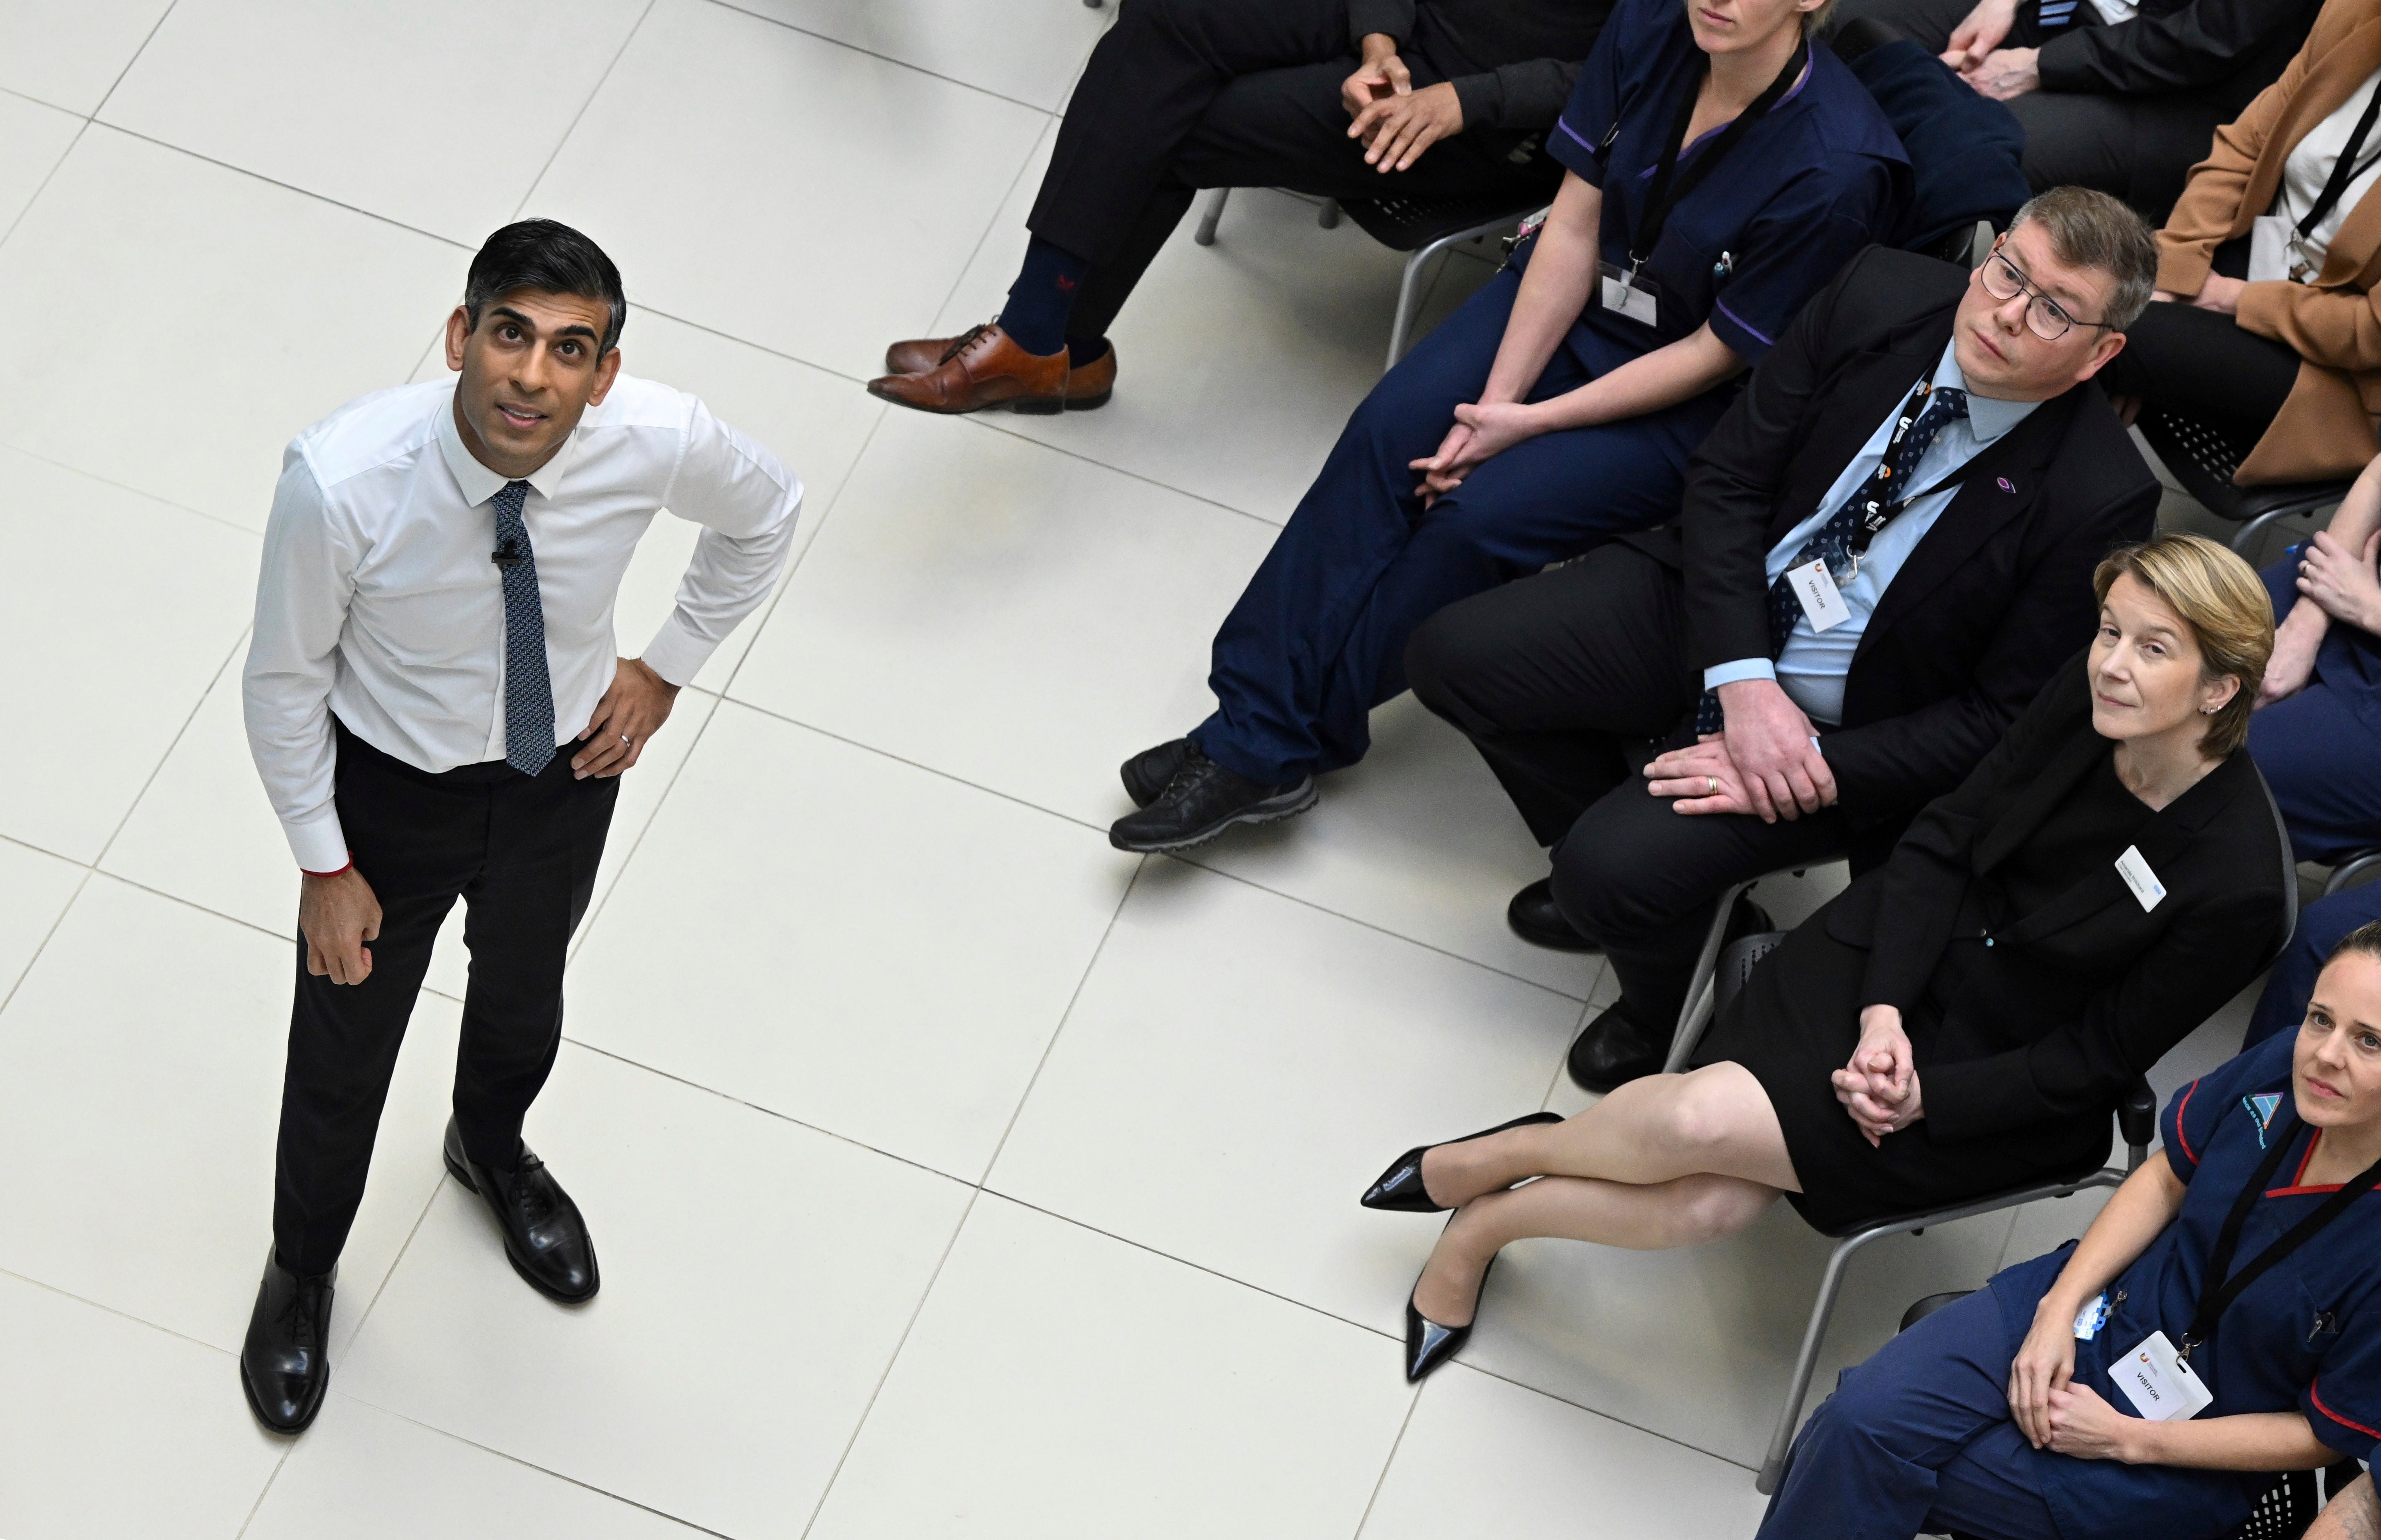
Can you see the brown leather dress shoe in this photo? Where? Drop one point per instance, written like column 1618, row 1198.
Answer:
column 987, row 369
column 919, row 353
column 1091, row 384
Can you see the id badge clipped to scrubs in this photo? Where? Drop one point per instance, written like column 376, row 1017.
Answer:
column 1630, row 293
column 2158, row 1381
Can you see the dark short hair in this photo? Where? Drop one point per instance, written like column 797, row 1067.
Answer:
column 548, row 255
column 2090, row 228
column 2365, row 940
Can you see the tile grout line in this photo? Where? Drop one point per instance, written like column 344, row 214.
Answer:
column 48, row 177
column 175, row 742
column 886, row 58
column 571, row 128
column 143, row 493
column 289, row 1447
column 64, row 909
column 587, row 920
column 893, row 1359
column 1381, row 1480
column 146, row 39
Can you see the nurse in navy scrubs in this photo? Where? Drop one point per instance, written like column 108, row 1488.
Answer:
column 2251, row 1237
column 1720, row 171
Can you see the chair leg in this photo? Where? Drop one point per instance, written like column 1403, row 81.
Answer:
column 1830, row 1284
column 1329, row 217
column 1700, row 987
column 1408, row 300
column 1215, row 211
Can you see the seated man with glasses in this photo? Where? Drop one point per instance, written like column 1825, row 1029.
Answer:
column 1886, row 548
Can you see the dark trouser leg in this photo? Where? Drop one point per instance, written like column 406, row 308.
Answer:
column 1146, row 86
column 1927, row 23
column 416, row 842
column 2324, row 765
column 1642, row 880
column 1554, row 678
column 1288, row 129
column 1917, row 1441
column 2200, row 366
column 545, row 840
column 2139, row 148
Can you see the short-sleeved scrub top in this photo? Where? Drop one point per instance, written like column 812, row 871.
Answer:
column 1818, row 177
column 2304, row 1338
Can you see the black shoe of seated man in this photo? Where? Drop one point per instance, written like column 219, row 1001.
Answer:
column 1533, row 916
column 1202, row 800
column 545, row 1240
column 1146, row 773
column 1617, row 1048
column 284, row 1364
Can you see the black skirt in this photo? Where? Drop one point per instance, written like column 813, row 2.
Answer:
column 1795, row 1022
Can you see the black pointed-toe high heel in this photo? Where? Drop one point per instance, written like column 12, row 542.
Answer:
column 1428, row 1344
column 1399, row 1189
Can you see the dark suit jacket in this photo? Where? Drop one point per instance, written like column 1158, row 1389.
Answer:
column 1995, row 597
column 2222, row 51
column 2076, row 998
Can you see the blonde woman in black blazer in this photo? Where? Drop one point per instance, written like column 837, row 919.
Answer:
column 1961, row 1019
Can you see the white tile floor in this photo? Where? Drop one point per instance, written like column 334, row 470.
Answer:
column 954, row 1174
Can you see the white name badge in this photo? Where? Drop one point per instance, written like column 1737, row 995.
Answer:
column 1823, row 603
column 1626, row 293
column 2159, row 1382
column 2147, row 889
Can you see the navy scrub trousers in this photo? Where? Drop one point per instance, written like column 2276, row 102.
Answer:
column 1319, row 636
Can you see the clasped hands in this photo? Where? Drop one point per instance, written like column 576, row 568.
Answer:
column 2343, row 586
column 1976, row 53
column 339, row 912
column 1880, row 1084
column 1766, row 764
column 1481, row 432
column 2053, row 1412
column 1396, row 122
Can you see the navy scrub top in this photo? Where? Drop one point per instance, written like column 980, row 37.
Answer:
column 1817, row 179
column 2305, row 1338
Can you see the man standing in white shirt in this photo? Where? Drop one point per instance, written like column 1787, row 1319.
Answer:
column 435, row 703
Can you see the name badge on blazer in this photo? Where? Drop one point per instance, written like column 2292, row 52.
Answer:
column 2146, row 889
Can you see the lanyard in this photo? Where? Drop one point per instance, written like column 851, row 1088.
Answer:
column 1662, row 197
column 2215, row 1295
column 1875, row 514
column 2343, row 170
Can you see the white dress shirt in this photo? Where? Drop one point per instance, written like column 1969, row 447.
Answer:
column 2309, row 166
column 1813, row 666
column 378, row 602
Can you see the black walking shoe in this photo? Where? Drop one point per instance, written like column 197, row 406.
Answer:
column 1535, row 917
column 545, row 1240
column 1400, row 1188
column 1200, row 802
column 1146, row 773
column 285, row 1364
column 1614, row 1049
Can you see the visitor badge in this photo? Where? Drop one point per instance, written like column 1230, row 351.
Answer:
column 2159, row 1382
column 1627, row 293
column 2092, row 1317
column 2147, row 889
column 1823, row 603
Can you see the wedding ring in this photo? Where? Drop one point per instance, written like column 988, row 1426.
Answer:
column 1714, row 786
column 626, row 739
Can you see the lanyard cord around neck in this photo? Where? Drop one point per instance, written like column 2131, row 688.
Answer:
column 2216, row 1293
column 2343, row 171
column 1662, row 197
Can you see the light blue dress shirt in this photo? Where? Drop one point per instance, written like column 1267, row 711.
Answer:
column 1811, row 668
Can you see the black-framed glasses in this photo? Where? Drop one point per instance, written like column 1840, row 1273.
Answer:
column 2047, row 319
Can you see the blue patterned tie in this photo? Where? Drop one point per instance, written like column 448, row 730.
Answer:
column 1834, row 540
column 529, row 695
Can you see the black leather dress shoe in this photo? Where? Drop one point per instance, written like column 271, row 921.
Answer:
column 1428, row 1344
column 1399, row 1189
column 1146, row 773
column 1200, row 802
column 545, row 1240
column 1536, row 920
column 285, row 1364
column 1614, row 1049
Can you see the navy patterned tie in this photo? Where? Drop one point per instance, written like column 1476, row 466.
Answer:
column 529, row 695
column 1833, row 541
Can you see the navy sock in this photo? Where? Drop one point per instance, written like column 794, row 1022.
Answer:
column 1043, row 296
column 1082, row 351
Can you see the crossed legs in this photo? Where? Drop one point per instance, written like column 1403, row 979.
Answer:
column 1667, row 1161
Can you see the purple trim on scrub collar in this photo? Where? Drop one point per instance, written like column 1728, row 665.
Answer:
column 1791, row 92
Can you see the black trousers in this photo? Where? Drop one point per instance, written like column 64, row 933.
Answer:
column 2201, row 365
column 1184, row 95
column 522, row 851
column 2139, row 148
column 1562, row 681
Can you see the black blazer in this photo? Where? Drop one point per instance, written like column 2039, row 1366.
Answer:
column 2076, row 998
column 1995, row 597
